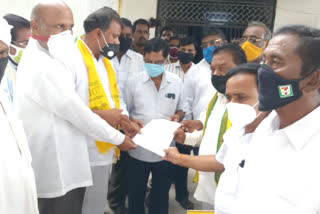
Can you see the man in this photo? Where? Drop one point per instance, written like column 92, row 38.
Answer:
column 17, row 183
column 153, row 94
column 140, row 34
column 49, row 99
column 126, row 65
column 242, row 98
column 187, row 52
column 102, row 30
column 254, row 39
column 19, row 34
column 198, row 89
column 174, row 43
column 288, row 139
column 166, row 33
column 214, row 122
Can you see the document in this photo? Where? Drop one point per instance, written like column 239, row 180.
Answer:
column 157, row 135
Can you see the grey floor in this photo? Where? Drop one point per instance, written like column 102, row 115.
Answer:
column 174, row 207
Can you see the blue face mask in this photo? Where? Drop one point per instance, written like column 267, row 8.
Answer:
column 153, row 70
column 207, row 53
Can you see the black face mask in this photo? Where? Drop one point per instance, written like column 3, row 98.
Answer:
column 125, row 43
column 219, row 83
column 109, row 50
column 3, row 65
column 274, row 91
column 185, row 58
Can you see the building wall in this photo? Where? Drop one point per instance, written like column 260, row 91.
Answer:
column 297, row 12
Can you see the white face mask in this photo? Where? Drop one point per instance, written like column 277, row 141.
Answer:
column 62, row 45
column 241, row 115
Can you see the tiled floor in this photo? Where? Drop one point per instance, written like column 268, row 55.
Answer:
column 174, row 207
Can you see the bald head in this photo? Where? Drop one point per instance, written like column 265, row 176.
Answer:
column 50, row 18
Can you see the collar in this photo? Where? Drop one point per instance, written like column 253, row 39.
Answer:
column 165, row 77
column 301, row 132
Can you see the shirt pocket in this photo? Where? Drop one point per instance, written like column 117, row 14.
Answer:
column 168, row 104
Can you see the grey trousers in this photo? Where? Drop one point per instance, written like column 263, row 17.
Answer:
column 95, row 199
column 70, row 203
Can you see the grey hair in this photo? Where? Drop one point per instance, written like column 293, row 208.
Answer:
column 267, row 31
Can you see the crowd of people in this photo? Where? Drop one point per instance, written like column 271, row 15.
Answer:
column 71, row 106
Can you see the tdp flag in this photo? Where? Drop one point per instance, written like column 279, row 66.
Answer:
column 200, row 212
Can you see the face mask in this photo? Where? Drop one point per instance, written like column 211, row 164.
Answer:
column 185, row 58
column 17, row 56
column 173, row 52
column 125, row 43
column 252, row 51
column 241, row 115
column 274, row 91
column 207, row 53
column 109, row 50
column 153, row 70
column 62, row 45
column 219, row 83
column 3, row 65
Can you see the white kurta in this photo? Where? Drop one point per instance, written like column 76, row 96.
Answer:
column 17, row 183
column 206, row 185
column 57, row 122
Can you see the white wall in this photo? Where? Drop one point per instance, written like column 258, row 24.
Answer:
column 297, row 12
column 80, row 8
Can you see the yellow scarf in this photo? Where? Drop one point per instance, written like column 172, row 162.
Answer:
column 97, row 96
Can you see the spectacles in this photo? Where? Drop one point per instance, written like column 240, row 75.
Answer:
column 252, row 40
column 216, row 42
column 23, row 44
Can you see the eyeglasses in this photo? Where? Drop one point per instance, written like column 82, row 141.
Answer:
column 252, row 40
column 22, row 44
column 210, row 43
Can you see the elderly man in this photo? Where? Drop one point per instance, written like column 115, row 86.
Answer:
column 58, row 122
column 287, row 141
column 17, row 182
column 214, row 122
column 254, row 39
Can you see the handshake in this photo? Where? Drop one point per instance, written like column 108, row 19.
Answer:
column 130, row 127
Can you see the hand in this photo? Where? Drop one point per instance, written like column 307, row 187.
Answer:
column 130, row 128
column 127, row 144
column 111, row 116
column 191, row 125
column 172, row 155
column 138, row 122
column 174, row 118
column 179, row 136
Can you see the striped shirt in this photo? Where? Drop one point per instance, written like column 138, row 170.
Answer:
column 177, row 69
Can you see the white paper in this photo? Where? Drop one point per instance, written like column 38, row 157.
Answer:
column 157, row 135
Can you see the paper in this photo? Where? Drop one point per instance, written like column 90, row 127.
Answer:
column 157, row 135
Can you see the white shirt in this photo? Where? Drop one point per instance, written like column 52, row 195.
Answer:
column 231, row 154
column 145, row 103
column 198, row 90
column 177, row 69
column 131, row 64
column 206, row 185
column 281, row 172
column 57, row 122
column 17, row 183
column 97, row 158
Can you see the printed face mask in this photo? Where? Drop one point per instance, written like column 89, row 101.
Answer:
column 274, row 91
column 173, row 52
column 17, row 56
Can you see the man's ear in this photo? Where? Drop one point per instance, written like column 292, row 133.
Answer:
column 311, row 83
column 35, row 27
